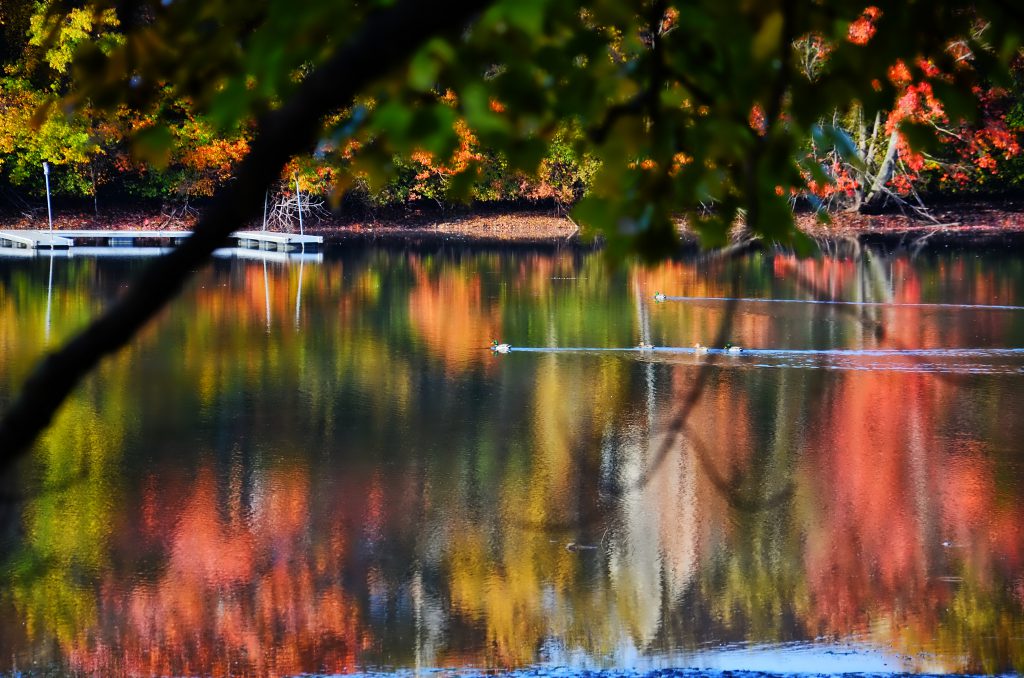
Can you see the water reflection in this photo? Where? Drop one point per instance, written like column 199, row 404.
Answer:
column 318, row 467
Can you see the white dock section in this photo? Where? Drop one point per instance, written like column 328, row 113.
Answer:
column 33, row 240
column 120, row 252
column 270, row 256
column 25, row 253
column 125, row 238
column 264, row 240
column 282, row 242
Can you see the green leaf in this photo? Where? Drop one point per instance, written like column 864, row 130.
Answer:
column 527, row 155
column 920, row 136
column 712, row 231
column 152, row 145
column 826, row 136
column 596, row 214
column 526, row 15
column 426, row 65
column 766, row 42
column 773, row 217
column 433, row 129
column 957, row 101
column 476, row 103
column 460, row 186
column 803, row 244
column 394, row 118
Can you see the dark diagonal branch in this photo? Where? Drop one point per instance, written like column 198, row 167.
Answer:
column 599, row 134
column 386, row 40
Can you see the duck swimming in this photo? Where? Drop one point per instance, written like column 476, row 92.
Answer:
column 729, row 348
column 700, row 348
column 500, row 348
column 659, row 297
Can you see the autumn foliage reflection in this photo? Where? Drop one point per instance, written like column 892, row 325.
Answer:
column 336, row 475
column 241, row 590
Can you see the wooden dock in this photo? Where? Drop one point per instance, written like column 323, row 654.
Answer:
column 264, row 240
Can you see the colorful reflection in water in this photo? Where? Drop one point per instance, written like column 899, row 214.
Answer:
column 320, row 468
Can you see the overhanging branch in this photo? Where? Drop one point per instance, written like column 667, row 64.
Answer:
column 386, row 40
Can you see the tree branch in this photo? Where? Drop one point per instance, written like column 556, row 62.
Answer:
column 386, row 40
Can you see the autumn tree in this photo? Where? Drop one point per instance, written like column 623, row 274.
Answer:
column 36, row 70
column 168, row 150
column 961, row 134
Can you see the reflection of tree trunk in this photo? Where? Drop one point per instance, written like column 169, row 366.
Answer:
column 885, row 170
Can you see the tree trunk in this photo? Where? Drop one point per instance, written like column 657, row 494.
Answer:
column 866, row 150
column 886, row 169
column 874, row 137
column 95, row 197
column 862, row 153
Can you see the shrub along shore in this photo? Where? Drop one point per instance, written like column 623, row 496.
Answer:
column 963, row 224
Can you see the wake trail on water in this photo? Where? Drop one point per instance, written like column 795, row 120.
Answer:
column 921, row 360
column 831, row 302
column 952, row 352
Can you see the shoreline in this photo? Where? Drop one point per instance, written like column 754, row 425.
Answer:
column 961, row 226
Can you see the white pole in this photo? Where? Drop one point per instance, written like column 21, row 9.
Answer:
column 265, row 196
column 49, row 211
column 298, row 293
column 298, row 200
column 49, row 294
column 266, row 290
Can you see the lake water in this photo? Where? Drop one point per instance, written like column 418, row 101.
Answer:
column 318, row 467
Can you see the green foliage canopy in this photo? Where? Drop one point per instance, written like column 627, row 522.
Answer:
column 684, row 105
column 663, row 91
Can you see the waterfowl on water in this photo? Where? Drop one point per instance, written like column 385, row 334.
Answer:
column 729, row 348
column 573, row 546
column 700, row 348
column 644, row 346
column 659, row 297
column 500, row 348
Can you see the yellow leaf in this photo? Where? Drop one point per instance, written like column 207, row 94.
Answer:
column 766, row 42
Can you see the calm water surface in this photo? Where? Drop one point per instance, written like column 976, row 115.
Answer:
column 318, row 467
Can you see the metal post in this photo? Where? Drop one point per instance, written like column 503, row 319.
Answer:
column 298, row 200
column 266, row 290
column 266, row 195
column 49, row 294
column 49, row 211
column 298, row 293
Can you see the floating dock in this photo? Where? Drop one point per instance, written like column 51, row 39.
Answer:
column 137, row 252
column 34, row 240
column 263, row 240
column 282, row 242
